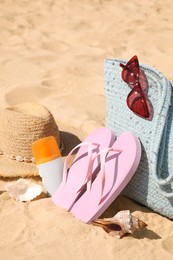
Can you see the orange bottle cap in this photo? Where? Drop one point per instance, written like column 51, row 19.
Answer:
column 45, row 150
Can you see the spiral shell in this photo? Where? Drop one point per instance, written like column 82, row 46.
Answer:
column 119, row 225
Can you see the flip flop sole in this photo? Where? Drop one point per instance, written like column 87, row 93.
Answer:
column 65, row 196
column 118, row 172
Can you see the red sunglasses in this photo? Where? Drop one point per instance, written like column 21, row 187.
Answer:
column 137, row 99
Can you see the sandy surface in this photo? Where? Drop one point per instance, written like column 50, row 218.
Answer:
column 52, row 52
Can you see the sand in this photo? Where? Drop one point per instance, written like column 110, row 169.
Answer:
column 52, row 52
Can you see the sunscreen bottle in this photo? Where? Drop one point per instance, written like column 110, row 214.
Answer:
column 49, row 162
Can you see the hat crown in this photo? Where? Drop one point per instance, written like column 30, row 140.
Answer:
column 22, row 125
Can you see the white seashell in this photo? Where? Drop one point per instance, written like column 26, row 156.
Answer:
column 119, row 225
column 12, row 157
column 23, row 190
column 27, row 159
column 32, row 160
column 19, row 158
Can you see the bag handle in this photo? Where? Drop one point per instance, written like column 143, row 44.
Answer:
column 160, row 131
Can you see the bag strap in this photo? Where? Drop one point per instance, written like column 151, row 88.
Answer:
column 159, row 131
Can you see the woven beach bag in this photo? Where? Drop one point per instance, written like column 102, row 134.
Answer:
column 152, row 184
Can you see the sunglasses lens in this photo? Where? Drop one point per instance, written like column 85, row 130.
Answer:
column 137, row 104
column 129, row 77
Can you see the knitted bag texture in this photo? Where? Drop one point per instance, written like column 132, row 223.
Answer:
column 152, row 184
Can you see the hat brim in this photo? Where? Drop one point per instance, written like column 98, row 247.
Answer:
column 11, row 168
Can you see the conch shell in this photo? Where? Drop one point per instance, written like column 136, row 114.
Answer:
column 119, row 225
column 23, row 190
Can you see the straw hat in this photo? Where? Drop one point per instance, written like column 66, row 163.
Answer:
column 20, row 126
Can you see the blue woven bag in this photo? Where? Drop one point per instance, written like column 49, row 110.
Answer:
column 152, row 184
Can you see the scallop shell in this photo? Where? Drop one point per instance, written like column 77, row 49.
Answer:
column 23, row 190
column 19, row 158
column 119, row 225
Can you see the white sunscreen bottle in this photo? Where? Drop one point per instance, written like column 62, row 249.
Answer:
column 49, row 162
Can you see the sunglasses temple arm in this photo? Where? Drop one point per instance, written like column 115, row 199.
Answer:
column 125, row 67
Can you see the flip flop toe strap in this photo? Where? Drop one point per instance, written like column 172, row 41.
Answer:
column 104, row 153
column 89, row 155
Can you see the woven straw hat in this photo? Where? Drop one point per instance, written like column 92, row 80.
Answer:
column 20, row 126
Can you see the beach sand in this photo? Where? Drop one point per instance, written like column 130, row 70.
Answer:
column 52, row 52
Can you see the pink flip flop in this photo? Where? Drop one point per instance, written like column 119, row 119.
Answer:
column 75, row 179
column 118, row 164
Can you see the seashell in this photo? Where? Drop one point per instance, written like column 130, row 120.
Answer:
column 12, row 157
column 27, row 159
column 23, row 190
column 33, row 160
column 1, row 152
column 19, row 158
column 119, row 225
